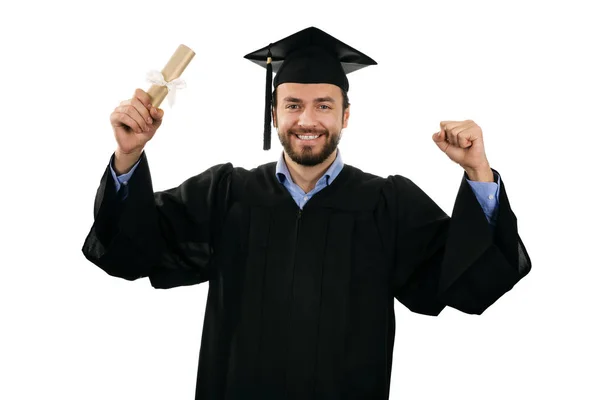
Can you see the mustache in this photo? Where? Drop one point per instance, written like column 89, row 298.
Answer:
column 305, row 131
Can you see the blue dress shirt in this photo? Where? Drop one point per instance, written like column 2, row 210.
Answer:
column 283, row 174
column 485, row 192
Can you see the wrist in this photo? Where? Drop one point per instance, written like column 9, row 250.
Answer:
column 480, row 174
column 123, row 162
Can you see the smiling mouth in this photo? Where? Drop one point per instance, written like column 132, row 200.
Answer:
column 308, row 137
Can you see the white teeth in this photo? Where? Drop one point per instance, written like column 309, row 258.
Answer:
column 305, row 137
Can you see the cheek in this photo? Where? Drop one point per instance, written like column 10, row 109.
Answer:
column 285, row 122
column 333, row 120
column 282, row 124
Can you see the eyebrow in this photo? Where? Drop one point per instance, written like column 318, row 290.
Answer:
column 290, row 99
column 324, row 99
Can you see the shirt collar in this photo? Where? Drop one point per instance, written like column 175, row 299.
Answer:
column 282, row 172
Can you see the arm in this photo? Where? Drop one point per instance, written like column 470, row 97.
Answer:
column 166, row 236
column 456, row 261
column 480, row 265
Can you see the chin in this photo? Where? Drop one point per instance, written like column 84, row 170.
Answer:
column 309, row 155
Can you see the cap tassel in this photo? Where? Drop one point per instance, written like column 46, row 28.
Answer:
column 268, row 105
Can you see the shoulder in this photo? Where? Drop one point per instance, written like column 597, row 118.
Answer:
column 235, row 183
column 226, row 174
column 369, row 181
column 392, row 191
column 226, row 171
column 262, row 175
column 215, row 175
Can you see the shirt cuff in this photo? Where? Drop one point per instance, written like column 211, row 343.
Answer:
column 122, row 179
column 487, row 196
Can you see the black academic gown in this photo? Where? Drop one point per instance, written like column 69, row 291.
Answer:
column 301, row 303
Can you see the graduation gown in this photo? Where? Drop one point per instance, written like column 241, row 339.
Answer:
column 301, row 302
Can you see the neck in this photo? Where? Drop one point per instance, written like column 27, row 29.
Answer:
column 307, row 177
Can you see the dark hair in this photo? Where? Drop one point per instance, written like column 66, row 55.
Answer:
column 345, row 100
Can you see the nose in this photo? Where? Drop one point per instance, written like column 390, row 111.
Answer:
column 307, row 118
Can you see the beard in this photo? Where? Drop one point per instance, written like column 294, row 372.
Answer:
column 307, row 155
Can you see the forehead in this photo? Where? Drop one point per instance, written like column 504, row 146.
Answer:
column 308, row 91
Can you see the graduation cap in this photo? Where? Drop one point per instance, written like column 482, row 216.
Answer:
column 308, row 56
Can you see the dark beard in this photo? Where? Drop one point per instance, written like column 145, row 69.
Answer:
column 306, row 156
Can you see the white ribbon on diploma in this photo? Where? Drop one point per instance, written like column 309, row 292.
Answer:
column 157, row 78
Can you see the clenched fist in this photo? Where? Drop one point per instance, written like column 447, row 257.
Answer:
column 134, row 123
column 462, row 141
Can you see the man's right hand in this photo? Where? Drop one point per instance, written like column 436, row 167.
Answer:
column 134, row 123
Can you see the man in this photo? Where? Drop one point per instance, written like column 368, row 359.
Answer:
column 304, row 257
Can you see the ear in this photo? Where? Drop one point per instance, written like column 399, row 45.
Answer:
column 274, row 115
column 345, row 117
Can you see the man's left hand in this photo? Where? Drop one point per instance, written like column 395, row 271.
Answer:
column 462, row 141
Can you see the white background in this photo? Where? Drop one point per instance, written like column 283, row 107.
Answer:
column 526, row 72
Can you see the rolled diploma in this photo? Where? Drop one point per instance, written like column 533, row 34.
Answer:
column 176, row 65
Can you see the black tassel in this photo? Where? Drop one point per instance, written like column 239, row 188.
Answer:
column 268, row 105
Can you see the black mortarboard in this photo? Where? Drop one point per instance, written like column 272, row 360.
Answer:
column 308, row 56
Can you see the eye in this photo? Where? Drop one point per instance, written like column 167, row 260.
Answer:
column 324, row 107
column 292, row 106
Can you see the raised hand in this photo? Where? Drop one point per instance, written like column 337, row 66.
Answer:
column 462, row 141
column 134, row 123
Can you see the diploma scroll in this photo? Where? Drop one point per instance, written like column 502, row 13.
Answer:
column 173, row 70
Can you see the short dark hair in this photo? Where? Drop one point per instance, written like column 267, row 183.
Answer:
column 345, row 100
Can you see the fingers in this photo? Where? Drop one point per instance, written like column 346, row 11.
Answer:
column 143, row 97
column 439, row 137
column 156, row 115
column 457, row 133
column 143, row 104
column 448, row 125
column 132, row 111
column 120, row 118
column 137, row 113
column 137, row 109
column 464, row 140
column 144, row 112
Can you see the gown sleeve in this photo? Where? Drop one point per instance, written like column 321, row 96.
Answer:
column 462, row 261
column 167, row 236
